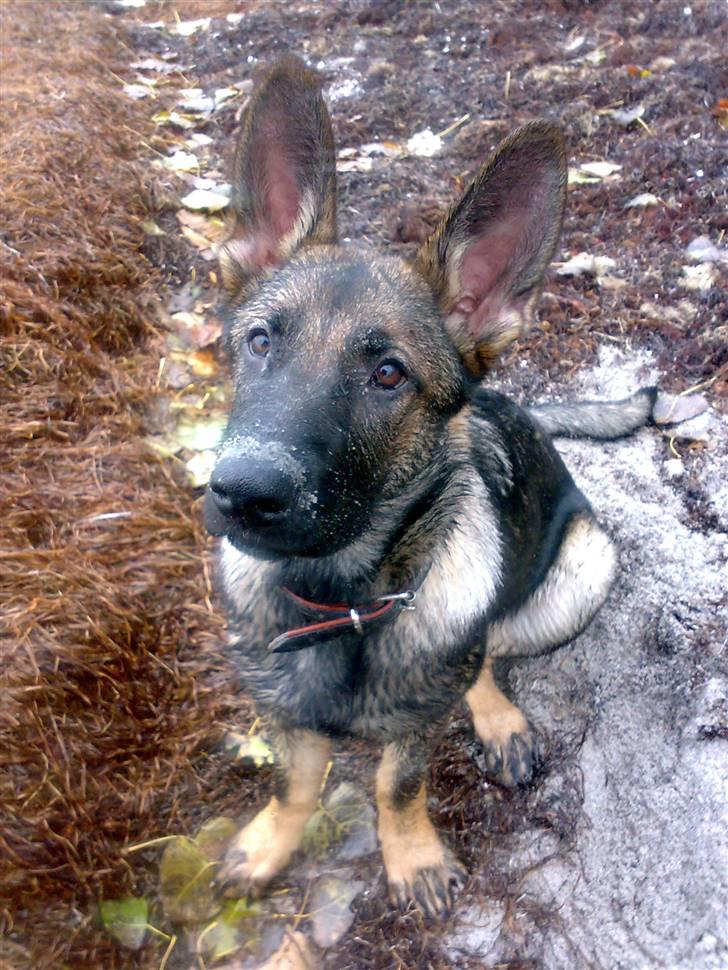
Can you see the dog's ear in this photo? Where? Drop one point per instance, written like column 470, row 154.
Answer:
column 486, row 259
column 284, row 179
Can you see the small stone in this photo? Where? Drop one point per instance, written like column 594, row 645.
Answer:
column 699, row 428
column 674, row 468
column 676, row 408
column 331, row 899
column 703, row 250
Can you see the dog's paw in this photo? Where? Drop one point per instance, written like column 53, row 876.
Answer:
column 432, row 888
column 513, row 760
column 243, row 875
column 259, row 852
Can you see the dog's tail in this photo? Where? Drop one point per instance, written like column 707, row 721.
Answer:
column 604, row 420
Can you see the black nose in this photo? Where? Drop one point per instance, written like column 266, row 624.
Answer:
column 259, row 492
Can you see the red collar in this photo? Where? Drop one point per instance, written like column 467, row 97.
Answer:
column 342, row 618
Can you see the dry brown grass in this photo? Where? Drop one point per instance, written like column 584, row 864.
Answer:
column 107, row 641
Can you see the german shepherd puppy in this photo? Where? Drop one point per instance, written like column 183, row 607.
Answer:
column 389, row 525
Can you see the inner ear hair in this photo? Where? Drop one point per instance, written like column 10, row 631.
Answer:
column 486, row 260
column 284, row 176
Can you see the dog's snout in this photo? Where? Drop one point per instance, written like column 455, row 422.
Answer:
column 261, row 492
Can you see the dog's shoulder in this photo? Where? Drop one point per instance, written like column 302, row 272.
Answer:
column 532, row 492
column 513, row 454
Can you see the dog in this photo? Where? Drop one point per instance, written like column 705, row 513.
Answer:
column 390, row 527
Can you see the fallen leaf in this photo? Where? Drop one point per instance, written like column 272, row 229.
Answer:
column 634, row 71
column 424, row 144
column 391, row 149
column 198, row 139
column 238, row 924
column 203, row 363
column 609, row 282
column 574, row 43
column 202, row 232
column 641, row 201
column 175, row 118
column 224, row 94
column 195, row 329
column 720, row 112
column 205, row 199
column 185, row 28
column 187, row 319
column 601, row 170
column 126, row 920
column 626, row 116
column 197, row 239
column 203, row 434
column 194, row 101
column 199, row 468
column 330, row 823
column 250, row 751
column 185, row 875
column 181, row 161
column 137, row 91
column 586, row 263
column 330, row 902
column 151, row 228
column 701, row 277
column 361, row 164
column 154, row 64
column 215, row 835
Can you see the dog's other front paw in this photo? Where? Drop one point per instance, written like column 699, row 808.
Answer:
column 432, row 888
column 260, row 851
column 513, row 760
column 511, row 745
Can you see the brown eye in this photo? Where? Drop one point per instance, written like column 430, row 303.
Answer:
column 389, row 375
column 259, row 343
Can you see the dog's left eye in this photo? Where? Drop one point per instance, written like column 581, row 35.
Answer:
column 259, row 343
column 389, row 375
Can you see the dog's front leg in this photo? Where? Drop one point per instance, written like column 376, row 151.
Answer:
column 264, row 847
column 511, row 746
column 419, row 867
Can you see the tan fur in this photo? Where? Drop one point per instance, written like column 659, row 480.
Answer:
column 573, row 590
column 264, row 847
column 495, row 719
column 419, row 867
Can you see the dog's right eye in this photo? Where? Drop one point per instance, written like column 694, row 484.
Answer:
column 259, row 343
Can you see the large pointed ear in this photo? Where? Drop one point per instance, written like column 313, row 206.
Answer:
column 486, row 259
column 284, row 178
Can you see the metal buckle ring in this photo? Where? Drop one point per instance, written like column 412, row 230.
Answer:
column 406, row 599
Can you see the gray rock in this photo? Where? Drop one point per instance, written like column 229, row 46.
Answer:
column 330, row 906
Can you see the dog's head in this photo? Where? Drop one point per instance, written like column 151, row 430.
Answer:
column 347, row 366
